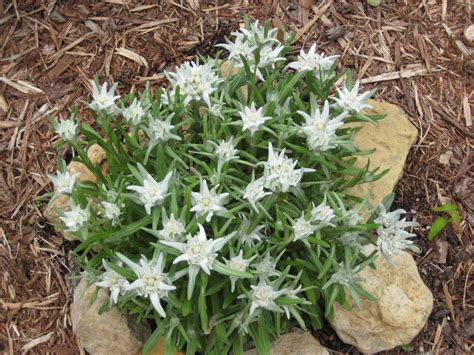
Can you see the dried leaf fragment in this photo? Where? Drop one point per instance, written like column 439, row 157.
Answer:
column 127, row 53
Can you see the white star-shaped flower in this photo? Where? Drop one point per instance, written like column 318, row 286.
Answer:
column 351, row 101
column 344, row 276
column 270, row 55
column 115, row 282
column 66, row 129
column 198, row 252
column 351, row 239
column 216, row 110
column 267, row 266
column 63, row 182
column 279, row 171
column 238, row 263
column 302, row 229
column 392, row 219
column 111, row 211
column 103, row 100
column 208, row 203
column 257, row 34
column 351, row 217
column 160, row 131
column 254, row 191
column 152, row 193
column 76, row 218
column 292, row 294
column 264, row 296
column 134, row 113
column 240, row 47
column 249, row 237
column 196, row 82
column 226, row 151
column 252, row 118
column 392, row 237
column 173, row 228
column 322, row 214
column 320, row 129
column 312, row 61
column 151, row 281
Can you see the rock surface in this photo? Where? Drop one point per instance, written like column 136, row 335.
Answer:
column 404, row 305
column 159, row 349
column 295, row 343
column 107, row 333
column 97, row 156
column 226, row 70
column 392, row 137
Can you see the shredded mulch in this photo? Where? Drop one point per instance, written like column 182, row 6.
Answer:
column 412, row 51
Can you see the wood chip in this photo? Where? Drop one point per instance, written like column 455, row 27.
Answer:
column 444, row 6
column 467, row 111
column 461, row 46
column 42, row 339
column 409, row 73
column 152, row 25
column 144, row 79
column 3, row 104
column 127, row 53
column 21, row 85
column 318, row 12
column 366, row 66
column 448, row 299
column 142, row 8
column 63, row 50
column 9, row 124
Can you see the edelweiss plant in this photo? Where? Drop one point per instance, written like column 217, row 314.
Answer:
column 223, row 215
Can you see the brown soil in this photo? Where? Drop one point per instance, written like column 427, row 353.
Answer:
column 49, row 50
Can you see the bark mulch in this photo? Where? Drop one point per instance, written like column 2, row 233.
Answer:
column 50, row 50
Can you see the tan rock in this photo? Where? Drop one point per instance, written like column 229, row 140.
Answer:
column 403, row 307
column 97, row 156
column 392, row 138
column 78, row 167
column 227, row 69
column 62, row 203
column 296, row 342
column 159, row 349
column 107, row 333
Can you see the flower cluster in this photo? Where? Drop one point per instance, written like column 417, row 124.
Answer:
column 392, row 236
column 223, row 203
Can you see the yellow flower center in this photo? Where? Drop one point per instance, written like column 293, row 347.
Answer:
column 150, row 281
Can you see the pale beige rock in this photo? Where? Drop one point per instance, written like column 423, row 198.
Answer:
column 159, row 349
column 97, row 156
column 403, row 307
column 227, row 69
column 107, row 333
column 392, row 138
column 296, row 342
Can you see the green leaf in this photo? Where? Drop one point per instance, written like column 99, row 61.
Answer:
column 128, row 274
column 327, row 264
column 451, row 209
column 152, row 340
column 115, row 235
column 437, row 227
column 225, row 270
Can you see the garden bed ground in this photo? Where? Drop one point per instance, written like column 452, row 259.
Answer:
column 50, row 50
